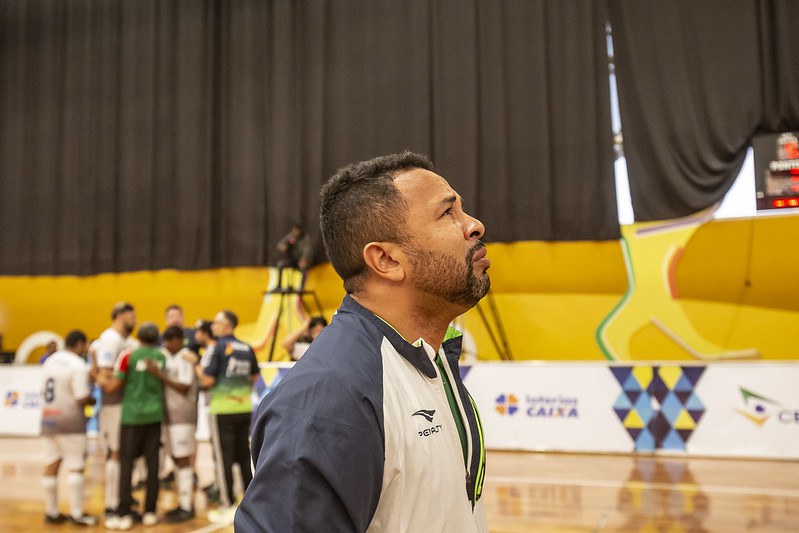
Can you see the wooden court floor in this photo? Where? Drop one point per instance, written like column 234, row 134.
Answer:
column 524, row 492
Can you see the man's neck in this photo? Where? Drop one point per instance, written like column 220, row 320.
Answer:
column 409, row 317
column 121, row 329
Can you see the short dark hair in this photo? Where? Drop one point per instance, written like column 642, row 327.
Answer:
column 118, row 309
column 205, row 327
column 231, row 317
column 173, row 306
column 148, row 333
column 173, row 332
column 74, row 338
column 316, row 321
column 360, row 204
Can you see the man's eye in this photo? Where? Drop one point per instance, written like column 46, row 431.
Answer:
column 447, row 212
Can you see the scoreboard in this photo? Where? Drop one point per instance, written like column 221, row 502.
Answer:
column 777, row 171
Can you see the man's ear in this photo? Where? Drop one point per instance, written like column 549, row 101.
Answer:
column 385, row 260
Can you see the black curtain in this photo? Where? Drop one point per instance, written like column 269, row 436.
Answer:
column 192, row 134
column 696, row 80
column 107, row 136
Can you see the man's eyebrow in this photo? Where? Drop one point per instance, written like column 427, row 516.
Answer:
column 448, row 200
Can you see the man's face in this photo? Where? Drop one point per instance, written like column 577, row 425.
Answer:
column 446, row 256
column 220, row 326
column 129, row 321
column 173, row 345
column 81, row 347
column 174, row 317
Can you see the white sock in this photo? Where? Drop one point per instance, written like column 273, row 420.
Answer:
column 112, row 484
column 184, row 478
column 75, row 480
column 50, row 486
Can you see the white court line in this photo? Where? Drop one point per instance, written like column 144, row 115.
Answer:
column 714, row 489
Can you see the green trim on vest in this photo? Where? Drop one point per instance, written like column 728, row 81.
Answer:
column 453, row 406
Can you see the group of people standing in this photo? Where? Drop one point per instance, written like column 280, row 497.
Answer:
column 149, row 403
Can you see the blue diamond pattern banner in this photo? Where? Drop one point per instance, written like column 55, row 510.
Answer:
column 658, row 405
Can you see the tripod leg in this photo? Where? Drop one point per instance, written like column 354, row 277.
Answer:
column 500, row 328
column 490, row 331
column 277, row 326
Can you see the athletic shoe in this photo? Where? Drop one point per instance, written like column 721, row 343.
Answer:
column 85, row 520
column 178, row 515
column 124, row 523
column 222, row 515
column 57, row 519
column 149, row 519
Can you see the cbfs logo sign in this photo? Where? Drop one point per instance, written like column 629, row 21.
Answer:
column 25, row 400
column 541, row 406
column 507, row 404
column 11, row 399
column 758, row 408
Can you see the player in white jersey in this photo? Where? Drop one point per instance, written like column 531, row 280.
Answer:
column 66, row 391
column 204, row 338
column 180, row 399
column 112, row 342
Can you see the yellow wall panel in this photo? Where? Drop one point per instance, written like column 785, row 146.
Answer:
column 701, row 288
column 61, row 303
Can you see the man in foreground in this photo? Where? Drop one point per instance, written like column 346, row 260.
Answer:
column 373, row 429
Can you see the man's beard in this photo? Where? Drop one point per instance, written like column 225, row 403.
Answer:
column 445, row 276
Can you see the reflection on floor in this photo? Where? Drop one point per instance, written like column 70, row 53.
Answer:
column 524, row 492
column 539, row 492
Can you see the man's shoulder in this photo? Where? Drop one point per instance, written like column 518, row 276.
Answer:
column 152, row 352
column 110, row 335
column 180, row 353
column 136, row 352
column 53, row 360
column 349, row 331
column 344, row 355
column 233, row 345
column 63, row 358
column 143, row 352
column 179, row 359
